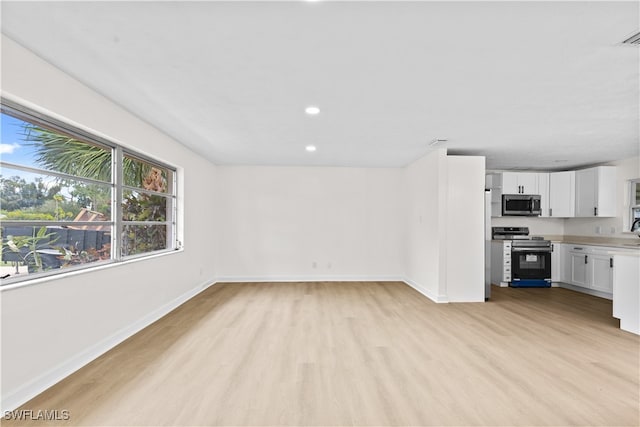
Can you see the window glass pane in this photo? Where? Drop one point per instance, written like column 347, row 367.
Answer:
column 138, row 239
column 140, row 206
column 28, row 249
column 35, row 145
column 144, row 175
column 39, row 197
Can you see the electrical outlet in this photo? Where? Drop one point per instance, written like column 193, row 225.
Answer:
column 598, row 230
column 329, row 265
column 613, row 230
column 314, row 264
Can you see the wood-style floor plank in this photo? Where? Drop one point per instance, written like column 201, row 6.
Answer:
column 374, row 353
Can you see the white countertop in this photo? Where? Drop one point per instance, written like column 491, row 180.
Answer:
column 620, row 243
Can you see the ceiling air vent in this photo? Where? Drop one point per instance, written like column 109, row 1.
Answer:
column 634, row 39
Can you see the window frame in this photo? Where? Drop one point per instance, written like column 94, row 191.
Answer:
column 116, row 222
column 634, row 202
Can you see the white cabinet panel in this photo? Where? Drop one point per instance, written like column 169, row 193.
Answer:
column 601, row 272
column 556, row 262
column 626, row 292
column 565, row 256
column 543, row 191
column 510, row 183
column 519, row 183
column 562, row 194
column 528, row 182
column 586, row 192
column 579, row 269
column 596, row 192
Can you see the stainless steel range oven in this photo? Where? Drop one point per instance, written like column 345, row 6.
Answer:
column 519, row 260
column 531, row 263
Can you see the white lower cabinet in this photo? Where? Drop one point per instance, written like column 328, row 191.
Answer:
column 578, row 259
column 590, row 267
column 600, row 270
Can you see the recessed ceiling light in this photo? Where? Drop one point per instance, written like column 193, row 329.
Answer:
column 312, row 110
column 310, row 148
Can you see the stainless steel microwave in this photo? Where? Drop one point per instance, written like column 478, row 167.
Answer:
column 521, row 204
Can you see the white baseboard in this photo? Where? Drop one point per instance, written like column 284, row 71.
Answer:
column 440, row 299
column 15, row 398
column 593, row 292
column 271, row 279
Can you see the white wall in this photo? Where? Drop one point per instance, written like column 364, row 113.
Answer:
column 309, row 223
column 444, row 202
column 465, row 228
column 626, row 169
column 54, row 327
column 425, row 204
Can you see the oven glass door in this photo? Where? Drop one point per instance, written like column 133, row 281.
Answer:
column 530, row 264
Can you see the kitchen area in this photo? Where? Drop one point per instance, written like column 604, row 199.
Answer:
column 574, row 229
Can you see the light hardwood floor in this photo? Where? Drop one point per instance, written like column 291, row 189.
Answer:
column 375, row 353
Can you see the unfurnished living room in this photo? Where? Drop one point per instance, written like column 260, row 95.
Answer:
column 324, row 213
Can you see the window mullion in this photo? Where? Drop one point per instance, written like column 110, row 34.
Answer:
column 116, row 206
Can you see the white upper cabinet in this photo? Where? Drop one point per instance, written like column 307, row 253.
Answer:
column 562, row 194
column 519, row 183
column 596, row 192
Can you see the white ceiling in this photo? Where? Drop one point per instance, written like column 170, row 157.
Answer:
column 529, row 85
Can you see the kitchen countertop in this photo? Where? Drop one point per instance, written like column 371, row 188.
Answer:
column 615, row 242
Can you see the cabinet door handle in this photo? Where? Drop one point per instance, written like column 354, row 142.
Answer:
column 585, row 258
column 595, row 211
column 550, row 211
column 552, row 247
column 610, row 262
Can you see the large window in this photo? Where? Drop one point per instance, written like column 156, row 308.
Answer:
column 69, row 199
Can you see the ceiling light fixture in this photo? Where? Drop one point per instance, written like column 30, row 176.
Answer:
column 310, row 148
column 312, row 110
column 437, row 141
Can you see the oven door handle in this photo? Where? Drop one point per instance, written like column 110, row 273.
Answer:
column 530, row 249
